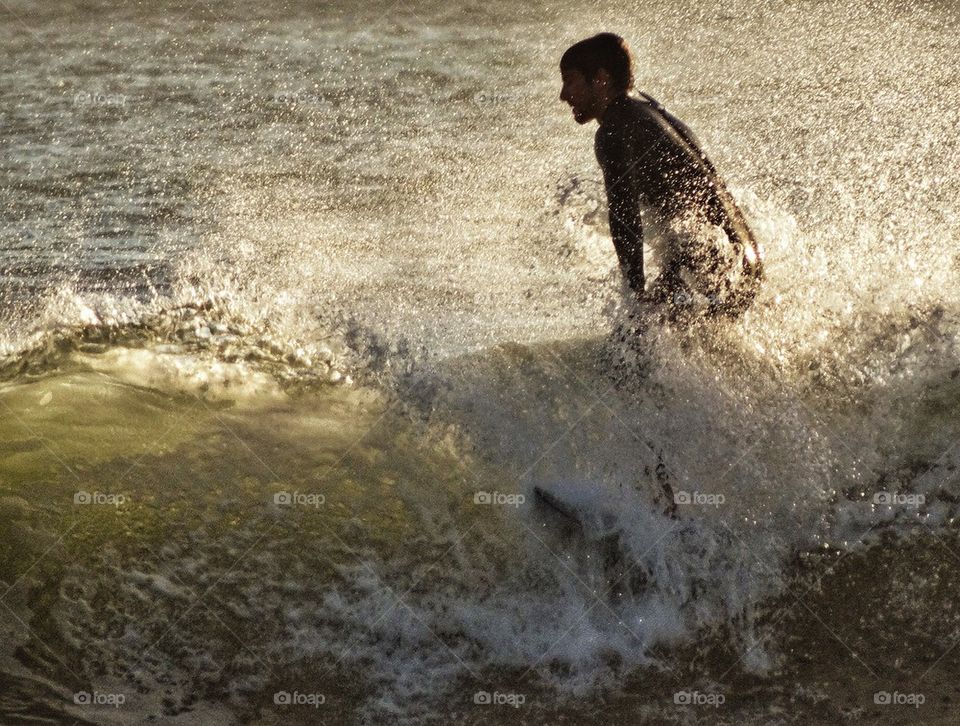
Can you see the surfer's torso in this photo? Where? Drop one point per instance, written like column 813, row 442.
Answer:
column 651, row 159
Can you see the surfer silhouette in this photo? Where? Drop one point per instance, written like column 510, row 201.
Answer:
column 651, row 161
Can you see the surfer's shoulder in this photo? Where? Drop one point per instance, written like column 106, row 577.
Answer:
column 625, row 111
column 633, row 110
column 626, row 117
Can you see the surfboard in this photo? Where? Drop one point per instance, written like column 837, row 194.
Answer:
column 583, row 503
column 578, row 503
column 587, row 527
column 564, row 509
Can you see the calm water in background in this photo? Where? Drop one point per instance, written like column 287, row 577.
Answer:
column 356, row 258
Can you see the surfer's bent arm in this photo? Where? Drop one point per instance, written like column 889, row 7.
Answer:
column 623, row 201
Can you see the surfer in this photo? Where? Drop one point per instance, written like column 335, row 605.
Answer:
column 649, row 158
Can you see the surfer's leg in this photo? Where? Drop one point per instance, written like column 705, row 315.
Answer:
column 674, row 288
column 722, row 272
column 736, row 288
column 742, row 294
column 669, row 287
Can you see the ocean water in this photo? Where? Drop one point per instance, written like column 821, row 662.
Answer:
column 300, row 303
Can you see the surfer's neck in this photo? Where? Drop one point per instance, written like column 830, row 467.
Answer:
column 612, row 101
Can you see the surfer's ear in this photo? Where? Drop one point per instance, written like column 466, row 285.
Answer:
column 601, row 79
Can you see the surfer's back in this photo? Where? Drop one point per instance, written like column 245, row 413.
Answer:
column 662, row 162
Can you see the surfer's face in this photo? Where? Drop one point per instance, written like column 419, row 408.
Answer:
column 580, row 94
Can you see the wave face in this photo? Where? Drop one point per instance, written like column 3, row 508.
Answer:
column 302, row 308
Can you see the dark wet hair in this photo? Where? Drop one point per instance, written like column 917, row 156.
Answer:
column 604, row 50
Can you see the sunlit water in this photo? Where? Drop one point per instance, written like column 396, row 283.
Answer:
column 284, row 289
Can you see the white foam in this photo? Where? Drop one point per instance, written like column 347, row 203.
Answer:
column 177, row 372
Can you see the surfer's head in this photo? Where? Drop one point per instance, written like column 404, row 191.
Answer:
column 595, row 71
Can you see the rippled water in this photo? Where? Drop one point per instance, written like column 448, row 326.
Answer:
column 298, row 305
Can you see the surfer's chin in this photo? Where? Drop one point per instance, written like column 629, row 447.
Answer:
column 581, row 118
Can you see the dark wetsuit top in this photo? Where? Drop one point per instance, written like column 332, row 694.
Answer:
column 650, row 158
